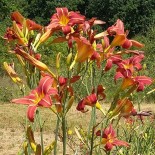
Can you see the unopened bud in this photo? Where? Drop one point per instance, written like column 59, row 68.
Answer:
column 98, row 106
column 70, row 103
column 78, row 68
column 58, row 60
column 17, row 30
column 144, row 67
column 69, row 58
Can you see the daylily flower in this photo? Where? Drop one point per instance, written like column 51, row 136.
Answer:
column 84, row 51
column 92, row 99
column 138, row 81
column 120, row 39
column 109, row 138
column 39, row 97
column 113, row 59
column 127, row 67
column 10, row 35
column 87, row 25
column 65, row 20
column 69, row 38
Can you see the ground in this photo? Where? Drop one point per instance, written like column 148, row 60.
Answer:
column 12, row 122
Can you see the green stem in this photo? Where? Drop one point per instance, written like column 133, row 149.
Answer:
column 41, row 132
column 64, row 139
column 92, row 125
column 56, row 136
column 99, row 148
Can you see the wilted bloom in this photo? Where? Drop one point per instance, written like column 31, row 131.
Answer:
column 20, row 29
column 10, row 34
column 129, row 121
column 65, row 20
column 124, row 108
column 29, row 24
column 39, row 97
column 11, row 72
column 33, row 60
column 65, row 85
column 109, row 138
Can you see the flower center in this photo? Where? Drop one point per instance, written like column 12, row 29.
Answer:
column 38, row 98
column 64, row 20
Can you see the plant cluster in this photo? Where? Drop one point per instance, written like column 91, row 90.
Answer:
column 89, row 56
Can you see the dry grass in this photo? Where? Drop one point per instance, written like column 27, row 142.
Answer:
column 12, row 123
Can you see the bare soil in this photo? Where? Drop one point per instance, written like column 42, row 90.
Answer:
column 12, row 123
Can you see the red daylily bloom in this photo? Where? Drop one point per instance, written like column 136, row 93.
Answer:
column 65, row 20
column 69, row 38
column 109, row 138
column 139, row 81
column 92, row 99
column 89, row 100
column 87, row 25
column 39, row 97
column 113, row 59
column 118, row 30
column 128, row 66
column 84, row 50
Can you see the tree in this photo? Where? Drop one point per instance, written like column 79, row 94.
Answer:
column 136, row 14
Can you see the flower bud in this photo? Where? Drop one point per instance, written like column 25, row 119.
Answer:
column 70, row 103
column 17, row 30
column 58, row 60
column 78, row 68
column 69, row 58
